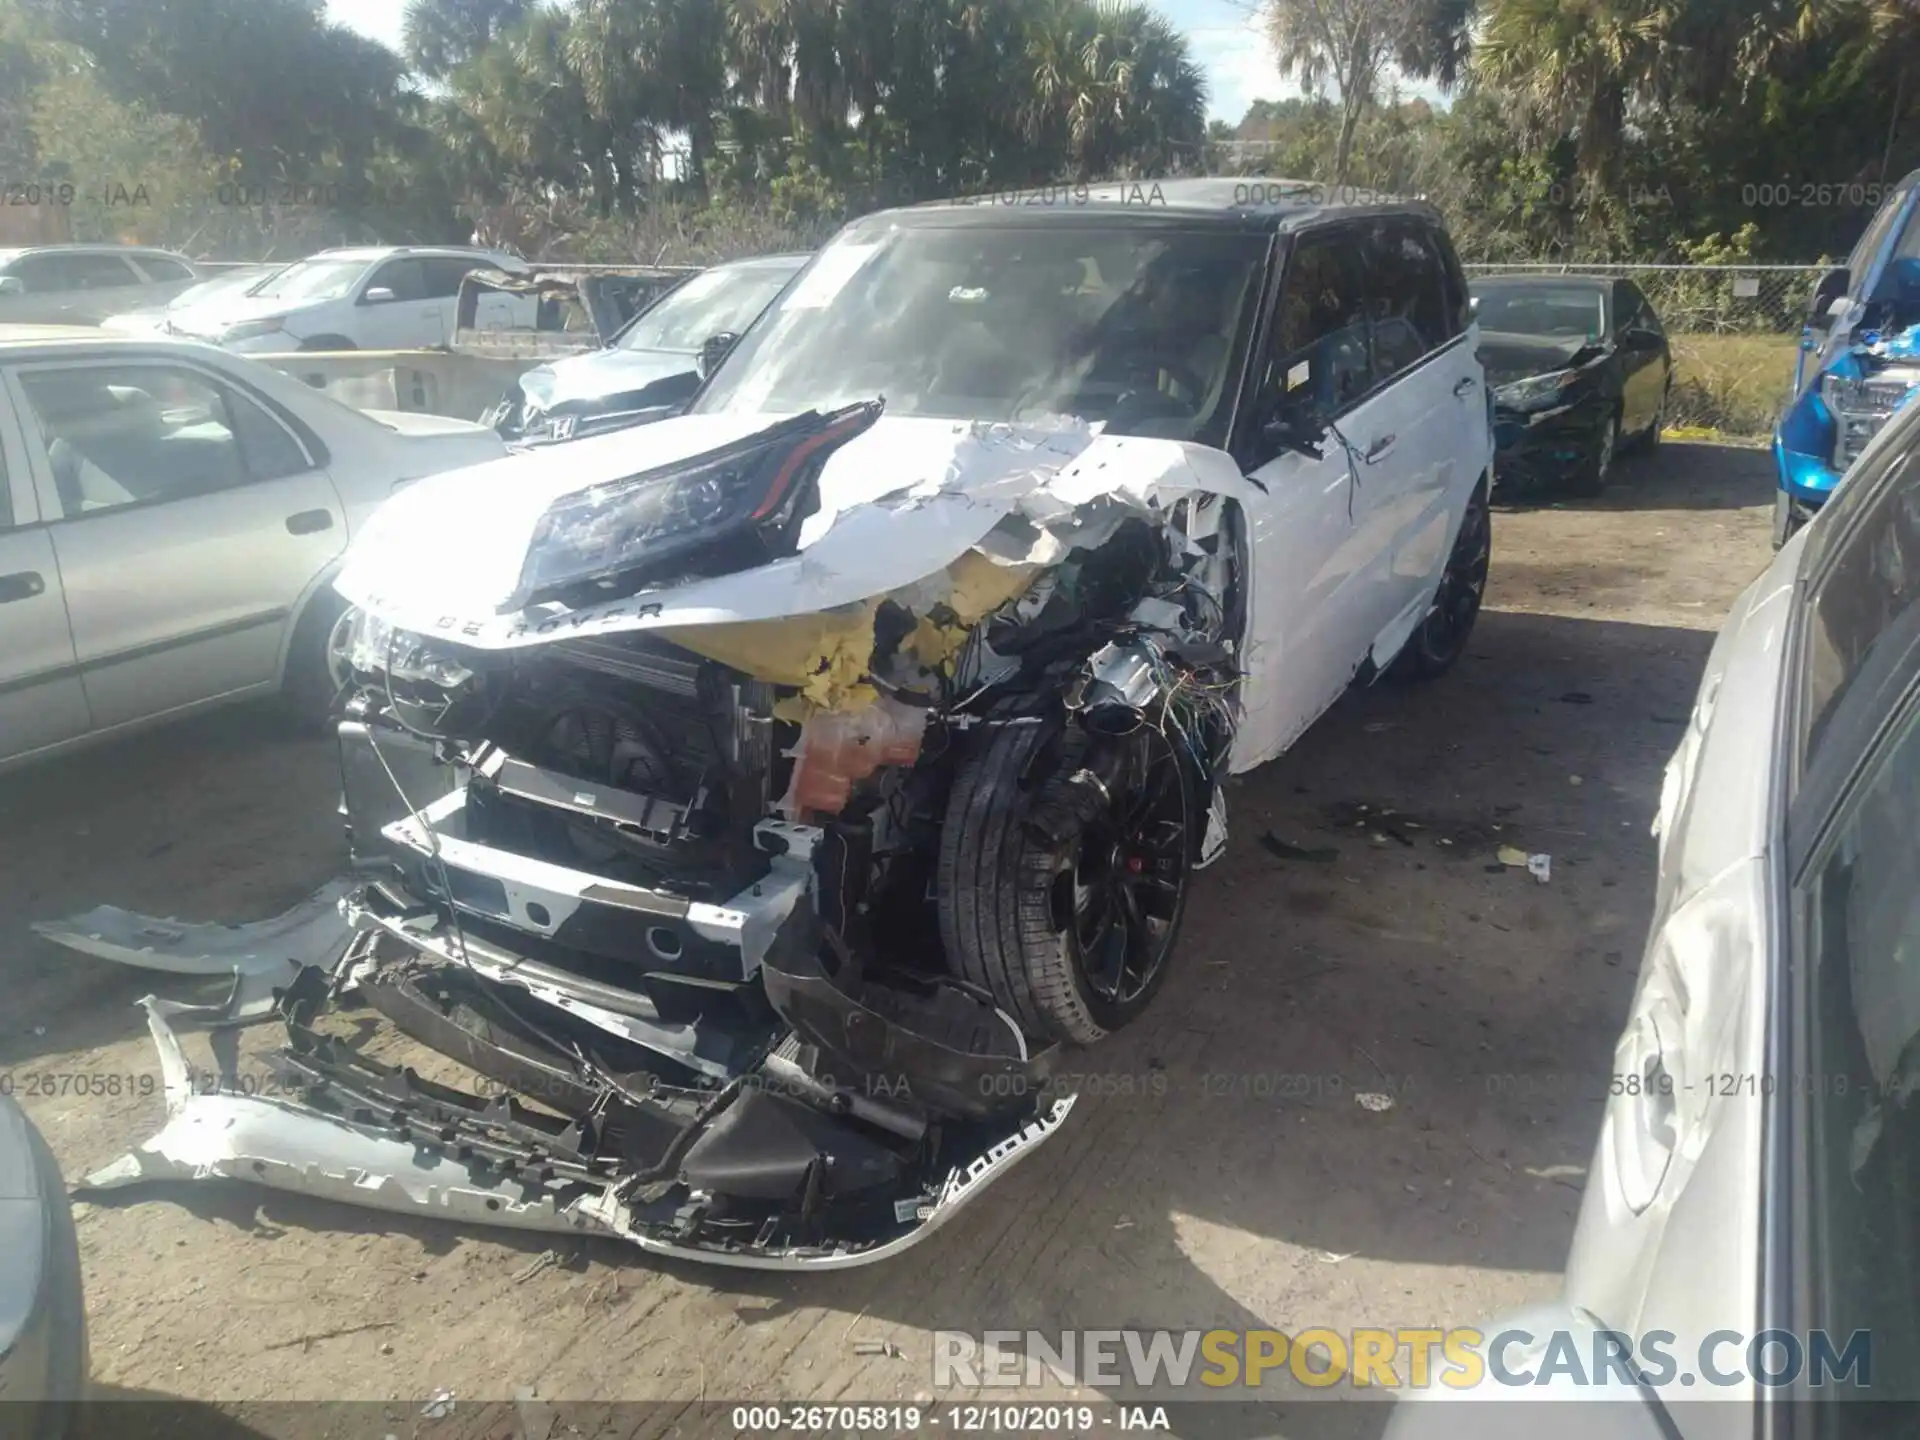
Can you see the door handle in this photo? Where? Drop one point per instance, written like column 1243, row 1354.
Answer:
column 21, row 585
column 1377, row 451
column 309, row 522
column 1463, row 385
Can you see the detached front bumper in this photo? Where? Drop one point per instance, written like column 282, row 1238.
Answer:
column 606, row 1059
column 486, row 1166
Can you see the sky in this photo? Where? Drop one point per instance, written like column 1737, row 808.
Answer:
column 1224, row 37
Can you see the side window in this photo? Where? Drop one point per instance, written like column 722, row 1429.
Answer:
column 405, row 278
column 1318, row 362
column 120, row 435
column 269, row 451
column 163, row 270
column 444, row 274
column 99, row 272
column 42, row 274
column 1862, row 914
column 1458, row 297
column 1867, row 586
column 1407, row 297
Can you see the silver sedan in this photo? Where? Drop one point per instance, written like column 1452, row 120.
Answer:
column 171, row 517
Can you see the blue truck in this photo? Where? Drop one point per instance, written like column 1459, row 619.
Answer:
column 1859, row 361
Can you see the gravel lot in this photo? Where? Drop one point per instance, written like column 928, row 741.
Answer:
column 1218, row 1172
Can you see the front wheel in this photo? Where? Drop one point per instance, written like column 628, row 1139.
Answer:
column 1441, row 639
column 1594, row 472
column 1067, row 912
column 317, row 668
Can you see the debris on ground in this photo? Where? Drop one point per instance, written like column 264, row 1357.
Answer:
column 1372, row 1100
column 439, row 1405
column 1512, row 855
column 1287, row 850
column 1540, row 867
column 1576, row 697
column 878, row 1347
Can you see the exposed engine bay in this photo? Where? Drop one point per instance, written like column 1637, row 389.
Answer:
column 757, row 905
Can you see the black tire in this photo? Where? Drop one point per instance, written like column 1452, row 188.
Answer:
column 313, row 680
column 1595, row 471
column 324, row 344
column 1439, row 641
column 1011, row 909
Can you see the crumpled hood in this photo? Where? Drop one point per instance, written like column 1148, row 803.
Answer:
column 600, row 373
column 897, row 503
column 1508, row 357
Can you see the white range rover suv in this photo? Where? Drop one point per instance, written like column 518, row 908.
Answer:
column 797, row 780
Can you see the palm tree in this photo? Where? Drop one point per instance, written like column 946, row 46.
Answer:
column 1112, row 86
column 1580, row 67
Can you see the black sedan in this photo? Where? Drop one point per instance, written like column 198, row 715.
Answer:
column 1578, row 366
column 43, row 1319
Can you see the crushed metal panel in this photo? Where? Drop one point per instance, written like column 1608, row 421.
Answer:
column 288, row 1146
column 314, row 932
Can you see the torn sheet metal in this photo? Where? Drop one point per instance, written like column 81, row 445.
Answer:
column 289, row 1146
column 897, row 504
column 259, row 955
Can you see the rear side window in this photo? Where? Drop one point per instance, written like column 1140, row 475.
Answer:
column 444, row 274
column 1319, row 360
column 270, row 452
column 42, row 274
column 1408, row 300
column 1870, row 583
column 98, row 272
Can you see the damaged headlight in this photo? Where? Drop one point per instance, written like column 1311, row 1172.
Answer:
column 375, row 647
column 754, row 491
column 1537, row 391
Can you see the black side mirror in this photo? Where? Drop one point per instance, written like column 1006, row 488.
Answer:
column 1830, row 287
column 1292, row 430
column 713, row 350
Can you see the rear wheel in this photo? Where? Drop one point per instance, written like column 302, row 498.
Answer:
column 1062, row 899
column 1441, row 639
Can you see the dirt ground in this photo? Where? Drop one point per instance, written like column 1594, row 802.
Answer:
column 1217, row 1173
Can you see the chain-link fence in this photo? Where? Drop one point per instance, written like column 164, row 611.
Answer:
column 1733, row 329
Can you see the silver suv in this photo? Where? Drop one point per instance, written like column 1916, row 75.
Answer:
column 84, row 284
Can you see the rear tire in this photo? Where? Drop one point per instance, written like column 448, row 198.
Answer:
column 1073, row 937
column 316, row 661
column 1439, row 641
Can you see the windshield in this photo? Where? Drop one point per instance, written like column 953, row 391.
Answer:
column 314, row 280
column 1137, row 327
column 718, row 300
column 1573, row 312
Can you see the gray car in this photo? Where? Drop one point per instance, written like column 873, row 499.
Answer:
column 1749, row 1234
column 43, row 1316
column 171, row 516
column 84, row 284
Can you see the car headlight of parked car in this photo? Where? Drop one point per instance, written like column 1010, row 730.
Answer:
column 253, row 329
column 1537, row 392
